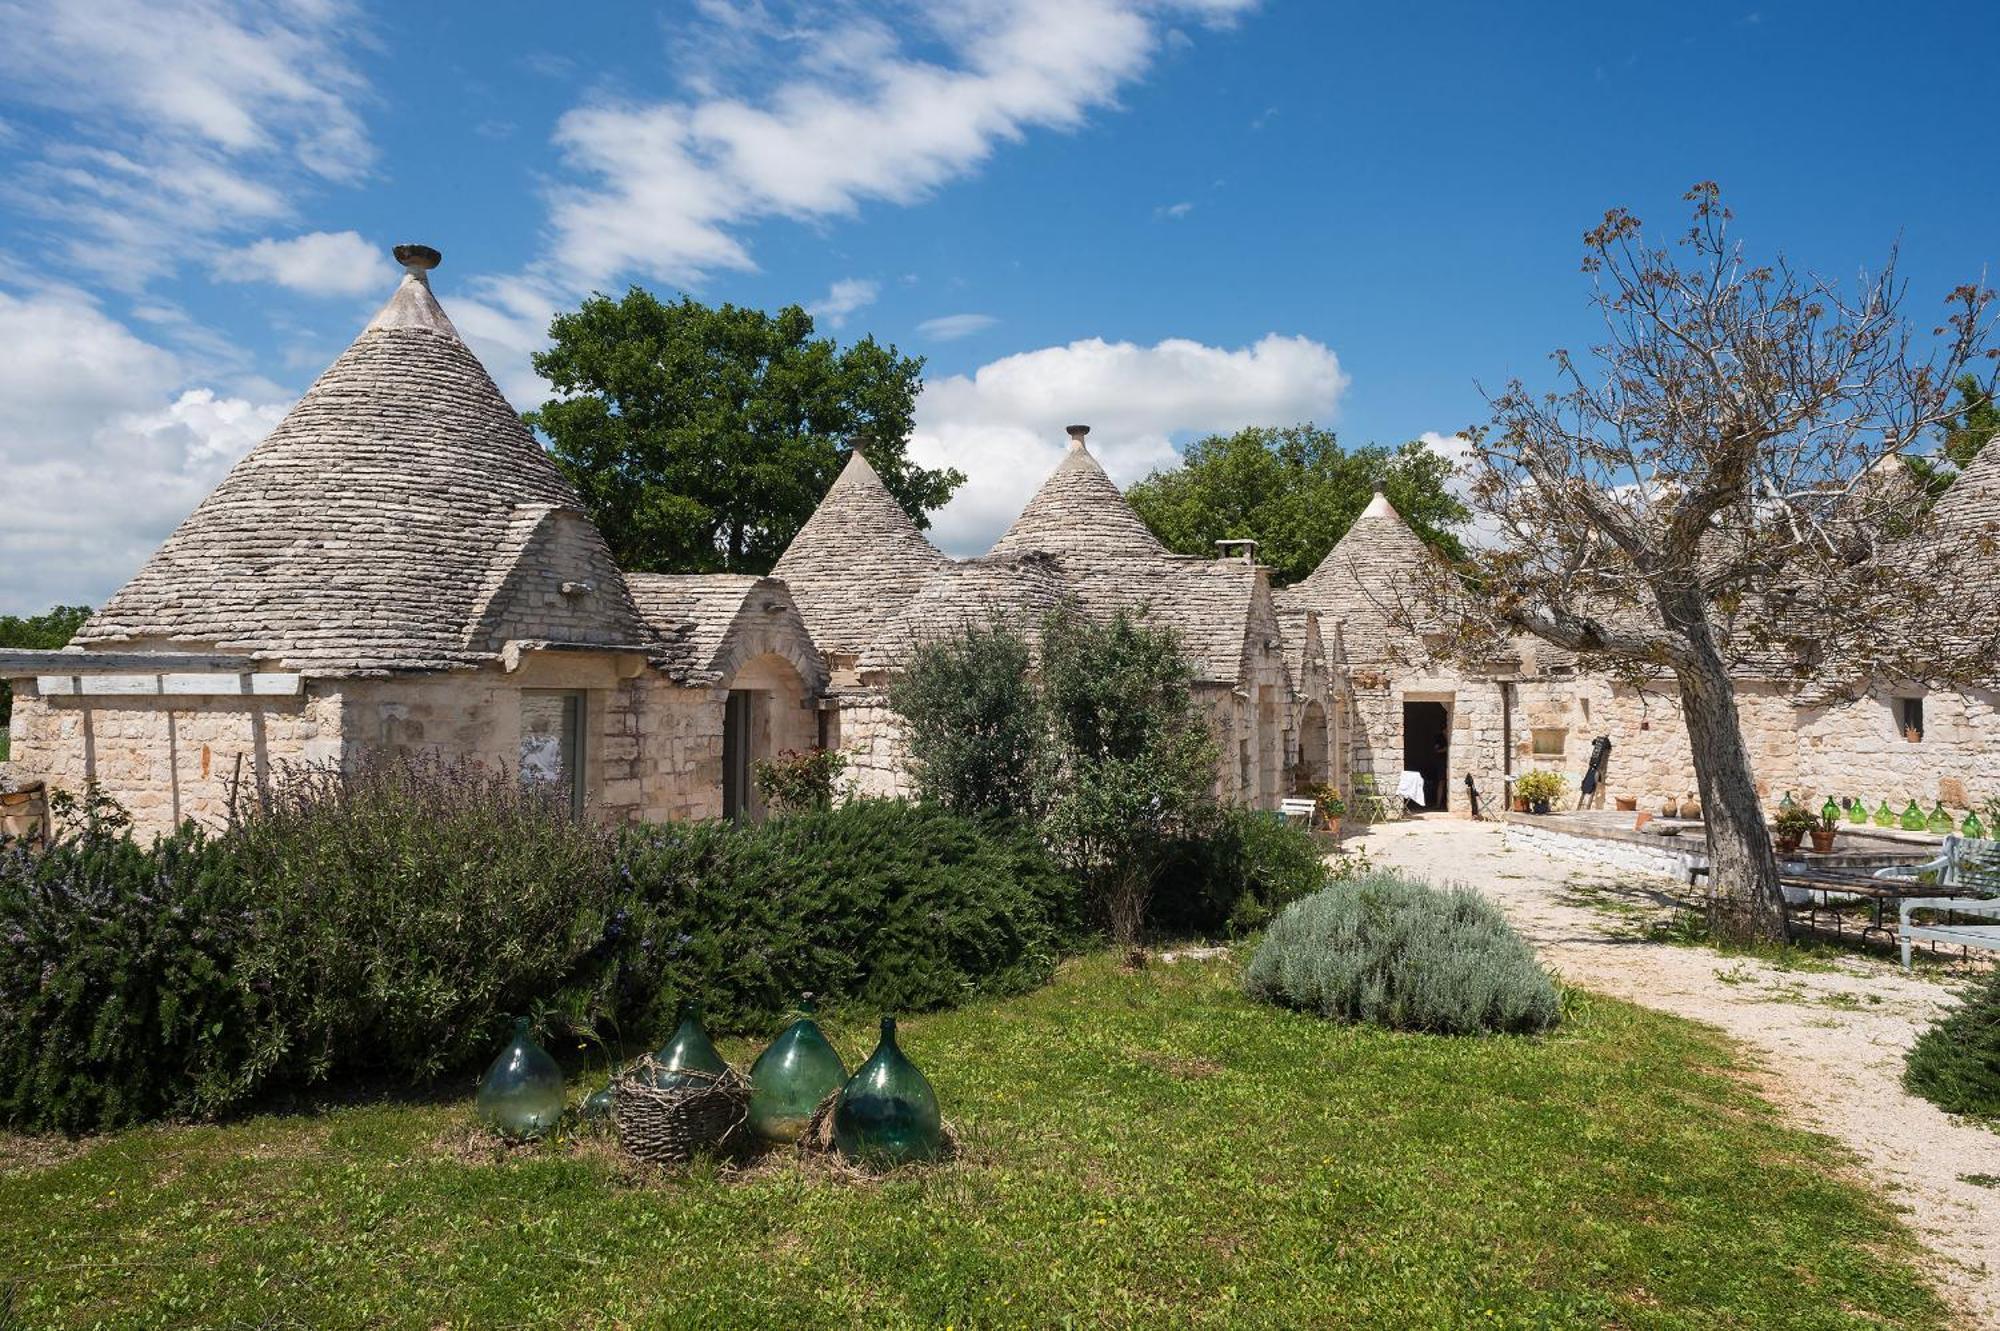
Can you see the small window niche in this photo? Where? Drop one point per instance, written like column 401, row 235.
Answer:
column 1549, row 741
column 1910, row 719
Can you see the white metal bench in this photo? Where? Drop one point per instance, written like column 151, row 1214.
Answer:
column 1304, row 810
column 1968, row 877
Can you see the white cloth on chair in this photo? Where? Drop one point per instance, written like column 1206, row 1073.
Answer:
column 1411, row 787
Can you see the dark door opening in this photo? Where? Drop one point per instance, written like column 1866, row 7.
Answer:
column 736, row 754
column 1427, row 749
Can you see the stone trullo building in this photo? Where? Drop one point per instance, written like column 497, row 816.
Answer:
column 400, row 567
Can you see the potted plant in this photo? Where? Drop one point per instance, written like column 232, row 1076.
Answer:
column 1789, row 828
column 1823, row 830
column 1540, row 789
column 1331, row 806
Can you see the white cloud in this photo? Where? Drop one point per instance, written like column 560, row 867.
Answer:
column 319, row 263
column 1003, row 424
column 844, row 298
column 185, row 119
column 1484, row 529
column 868, row 112
column 116, row 448
column 951, row 327
column 1173, row 212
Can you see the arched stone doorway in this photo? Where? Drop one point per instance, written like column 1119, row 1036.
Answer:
column 1315, row 747
column 769, row 710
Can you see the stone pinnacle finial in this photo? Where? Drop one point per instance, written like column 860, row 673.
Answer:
column 1076, row 435
column 418, row 260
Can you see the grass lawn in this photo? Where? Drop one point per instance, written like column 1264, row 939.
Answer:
column 1142, row 1149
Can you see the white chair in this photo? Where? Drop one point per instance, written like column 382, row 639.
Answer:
column 1303, row 810
column 1968, row 876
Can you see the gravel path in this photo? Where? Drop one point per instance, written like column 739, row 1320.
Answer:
column 1831, row 1042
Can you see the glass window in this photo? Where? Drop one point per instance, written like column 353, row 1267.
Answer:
column 552, row 741
column 1910, row 718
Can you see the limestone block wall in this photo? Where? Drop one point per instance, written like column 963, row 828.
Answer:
column 1473, row 706
column 171, row 758
column 1859, row 750
column 672, row 737
column 870, row 733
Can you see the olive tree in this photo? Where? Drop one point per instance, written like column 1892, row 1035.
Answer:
column 1716, row 491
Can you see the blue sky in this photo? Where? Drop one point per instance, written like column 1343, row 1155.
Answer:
column 1160, row 216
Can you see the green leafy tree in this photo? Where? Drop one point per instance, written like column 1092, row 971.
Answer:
column 44, row 632
column 702, row 438
column 1295, row 491
column 977, row 733
column 1136, row 760
column 1970, row 429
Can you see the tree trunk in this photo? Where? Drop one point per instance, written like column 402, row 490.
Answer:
column 1745, row 903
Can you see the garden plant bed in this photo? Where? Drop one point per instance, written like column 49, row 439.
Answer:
column 1140, row 1148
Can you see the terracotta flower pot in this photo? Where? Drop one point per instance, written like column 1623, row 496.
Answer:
column 1520, row 805
column 1822, row 840
column 1788, row 844
column 1627, row 803
column 1639, row 823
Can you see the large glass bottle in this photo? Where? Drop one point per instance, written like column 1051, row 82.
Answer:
column 1884, row 815
column 690, row 1051
column 1913, row 818
column 521, row 1095
column 1939, row 823
column 888, row 1114
column 1787, row 803
column 1857, row 811
column 1829, row 812
column 1972, row 827
column 791, row 1077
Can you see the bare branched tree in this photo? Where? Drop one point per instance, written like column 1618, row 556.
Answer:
column 1715, row 492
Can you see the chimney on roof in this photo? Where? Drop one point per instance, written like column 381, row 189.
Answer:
column 418, row 260
column 1245, row 548
column 1076, row 436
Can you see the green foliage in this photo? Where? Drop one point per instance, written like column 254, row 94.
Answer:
column 799, row 779
column 890, row 905
column 702, row 439
column 44, row 632
column 1956, row 1063
column 1541, row 784
column 1230, row 881
column 1394, row 952
column 119, row 1001
column 387, row 924
column 977, row 732
column 1326, row 796
column 1136, row 762
column 1295, row 492
column 1974, row 426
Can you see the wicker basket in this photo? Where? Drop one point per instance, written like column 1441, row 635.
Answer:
column 668, row 1127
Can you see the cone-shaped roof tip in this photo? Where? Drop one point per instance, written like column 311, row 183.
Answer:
column 1380, row 507
column 417, row 258
column 1077, row 434
column 413, row 305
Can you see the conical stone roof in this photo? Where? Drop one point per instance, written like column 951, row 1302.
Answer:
column 1973, row 501
column 1360, row 581
column 1080, row 514
column 857, row 562
column 372, row 529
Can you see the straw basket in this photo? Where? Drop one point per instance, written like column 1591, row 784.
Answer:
column 668, row 1127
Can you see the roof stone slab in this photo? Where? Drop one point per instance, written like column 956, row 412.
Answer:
column 858, row 561
column 360, row 536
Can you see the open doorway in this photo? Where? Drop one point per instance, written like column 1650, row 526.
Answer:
column 1427, row 749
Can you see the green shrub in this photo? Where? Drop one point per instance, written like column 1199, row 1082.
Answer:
column 798, row 779
column 887, row 904
column 119, row 999
column 389, row 922
column 1393, row 952
column 977, row 733
column 1956, row 1063
column 1231, row 880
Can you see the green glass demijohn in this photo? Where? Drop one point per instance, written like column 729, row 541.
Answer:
column 690, row 1051
column 1940, row 823
column 789, row 1079
column 888, row 1114
column 1913, row 818
column 598, row 1106
column 1787, row 802
column 521, row 1095
column 1857, row 811
column 1972, row 827
column 1829, row 812
column 1884, row 815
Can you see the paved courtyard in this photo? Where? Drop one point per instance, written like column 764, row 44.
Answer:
column 1829, row 1042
